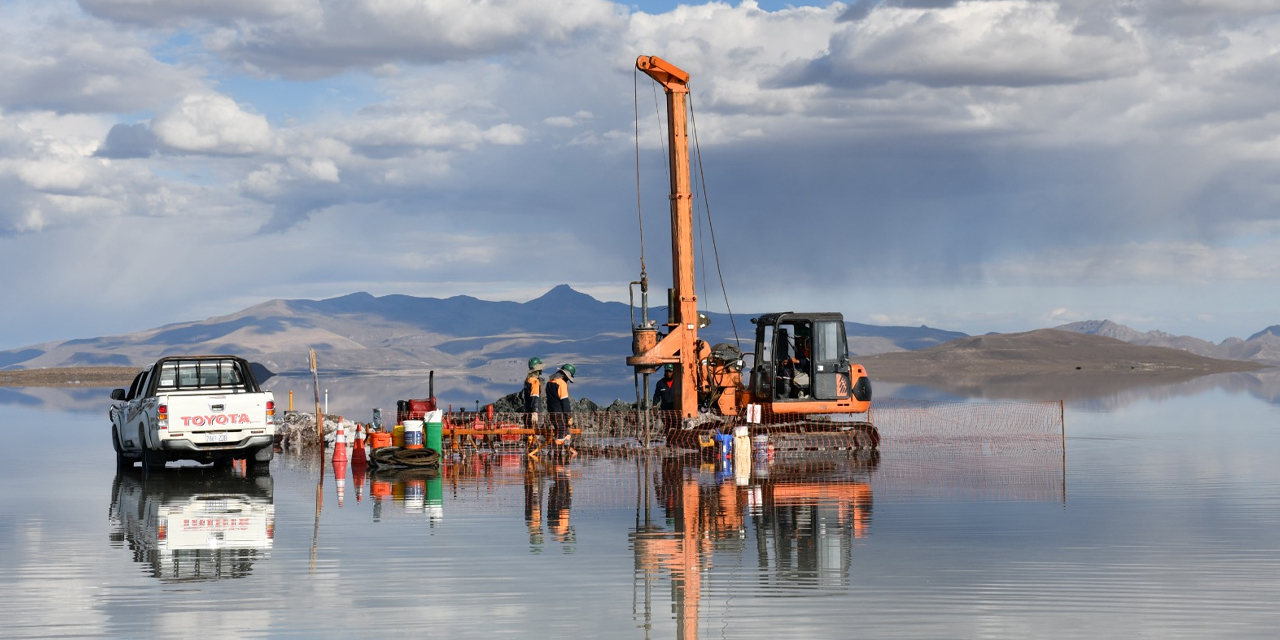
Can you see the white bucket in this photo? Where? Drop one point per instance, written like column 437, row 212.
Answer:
column 760, row 444
column 413, row 434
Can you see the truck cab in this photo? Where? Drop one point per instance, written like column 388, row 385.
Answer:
column 802, row 365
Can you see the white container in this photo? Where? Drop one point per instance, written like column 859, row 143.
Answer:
column 741, row 454
column 760, row 444
column 413, row 434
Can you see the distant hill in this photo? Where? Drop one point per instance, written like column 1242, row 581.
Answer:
column 1263, row 347
column 462, row 335
column 1044, row 364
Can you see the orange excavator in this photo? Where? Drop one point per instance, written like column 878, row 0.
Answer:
column 801, row 380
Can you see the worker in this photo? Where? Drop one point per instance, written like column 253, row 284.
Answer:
column 532, row 392
column 664, row 398
column 533, row 505
column 559, row 504
column 795, row 371
column 559, row 405
column 664, row 393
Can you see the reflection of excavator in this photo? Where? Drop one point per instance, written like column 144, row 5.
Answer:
column 801, row 360
column 804, row 517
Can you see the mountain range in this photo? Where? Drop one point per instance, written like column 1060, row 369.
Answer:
column 1262, row 347
column 464, row 336
column 361, row 333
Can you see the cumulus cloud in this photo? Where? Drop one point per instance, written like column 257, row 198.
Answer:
column 51, row 61
column 928, row 145
column 128, row 141
column 567, row 122
column 177, row 12
column 212, row 123
column 1005, row 43
column 400, row 133
column 315, row 38
column 53, row 176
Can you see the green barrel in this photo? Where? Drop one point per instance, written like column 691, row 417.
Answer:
column 435, row 491
column 434, row 431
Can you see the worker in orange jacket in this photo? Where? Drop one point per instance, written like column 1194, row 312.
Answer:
column 559, row 404
column 532, row 392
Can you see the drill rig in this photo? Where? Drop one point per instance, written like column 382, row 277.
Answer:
column 801, row 379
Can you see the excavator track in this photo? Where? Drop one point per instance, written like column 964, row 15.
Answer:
column 809, row 435
column 800, row 435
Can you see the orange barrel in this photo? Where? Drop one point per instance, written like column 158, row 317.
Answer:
column 380, row 489
column 413, row 434
column 397, row 436
column 379, row 439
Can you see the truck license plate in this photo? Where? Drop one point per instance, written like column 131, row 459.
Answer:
column 217, row 437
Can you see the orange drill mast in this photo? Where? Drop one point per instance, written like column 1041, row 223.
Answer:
column 679, row 346
column 801, row 360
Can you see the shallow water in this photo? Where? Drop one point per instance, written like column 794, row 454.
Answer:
column 1162, row 524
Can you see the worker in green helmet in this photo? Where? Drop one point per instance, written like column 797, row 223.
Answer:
column 664, row 393
column 559, row 404
column 532, row 392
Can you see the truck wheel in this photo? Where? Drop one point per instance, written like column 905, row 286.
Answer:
column 115, row 444
column 152, row 461
column 260, row 462
column 123, row 460
column 264, row 454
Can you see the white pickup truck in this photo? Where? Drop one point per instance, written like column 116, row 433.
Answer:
column 202, row 408
column 189, row 527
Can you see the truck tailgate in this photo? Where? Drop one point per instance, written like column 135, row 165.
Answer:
column 211, row 414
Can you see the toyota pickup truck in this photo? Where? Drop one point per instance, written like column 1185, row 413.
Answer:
column 209, row 409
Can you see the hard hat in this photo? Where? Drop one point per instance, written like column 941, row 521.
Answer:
column 569, row 371
column 669, row 367
column 535, row 364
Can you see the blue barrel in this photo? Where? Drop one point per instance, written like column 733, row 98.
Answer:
column 724, row 444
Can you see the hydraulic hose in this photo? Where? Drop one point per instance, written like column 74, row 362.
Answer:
column 415, row 458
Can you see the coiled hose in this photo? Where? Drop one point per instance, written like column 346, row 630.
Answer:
column 400, row 457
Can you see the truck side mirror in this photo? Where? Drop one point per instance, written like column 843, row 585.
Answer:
column 117, row 394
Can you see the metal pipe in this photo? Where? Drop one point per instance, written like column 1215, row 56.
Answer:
column 644, row 298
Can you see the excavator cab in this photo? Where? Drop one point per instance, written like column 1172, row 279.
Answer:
column 803, row 358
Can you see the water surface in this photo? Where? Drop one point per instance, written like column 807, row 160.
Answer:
column 1163, row 523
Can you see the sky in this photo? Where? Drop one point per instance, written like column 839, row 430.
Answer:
column 977, row 165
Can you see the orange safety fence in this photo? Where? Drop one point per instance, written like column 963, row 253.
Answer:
column 1005, row 450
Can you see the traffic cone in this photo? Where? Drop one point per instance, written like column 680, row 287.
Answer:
column 357, row 476
column 340, row 480
column 358, row 454
column 340, row 448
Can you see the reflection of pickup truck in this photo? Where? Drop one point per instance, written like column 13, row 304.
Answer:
column 195, row 524
column 202, row 408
